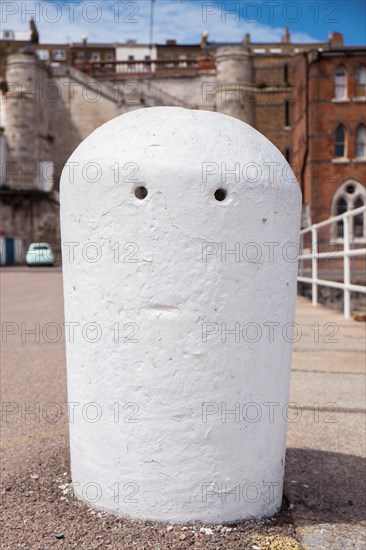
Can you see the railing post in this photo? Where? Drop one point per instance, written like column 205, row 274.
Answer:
column 346, row 268
column 314, row 266
column 346, row 254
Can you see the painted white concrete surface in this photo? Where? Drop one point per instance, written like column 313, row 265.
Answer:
column 168, row 447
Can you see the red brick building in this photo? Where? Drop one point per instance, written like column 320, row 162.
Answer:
column 329, row 133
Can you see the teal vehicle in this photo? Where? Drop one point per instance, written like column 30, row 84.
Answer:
column 39, row 254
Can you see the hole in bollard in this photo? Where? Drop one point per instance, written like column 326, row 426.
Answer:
column 220, row 194
column 141, row 193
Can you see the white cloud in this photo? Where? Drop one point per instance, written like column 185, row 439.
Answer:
column 117, row 21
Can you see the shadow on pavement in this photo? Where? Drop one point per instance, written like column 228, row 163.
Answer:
column 323, row 486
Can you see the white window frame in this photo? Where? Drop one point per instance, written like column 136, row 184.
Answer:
column 344, row 142
column 340, row 83
column 59, row 51
column 350, row 198
column 361, row 80
column 360, row 142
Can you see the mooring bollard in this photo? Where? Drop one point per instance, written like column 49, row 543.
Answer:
column 180, row 235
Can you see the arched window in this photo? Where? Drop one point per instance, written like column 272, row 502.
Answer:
column 341, row 208
column 358, row 221
column 361, row 81
column 340, row 141
column 340, row 83
column 350, row 195
column 361, row 141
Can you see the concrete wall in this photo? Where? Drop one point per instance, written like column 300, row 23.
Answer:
column 83, row 104
column 31, row 218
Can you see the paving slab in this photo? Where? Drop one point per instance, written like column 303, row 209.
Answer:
column 329, row 390
column 347, row 361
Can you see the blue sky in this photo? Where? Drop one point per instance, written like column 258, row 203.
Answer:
column 185, row 20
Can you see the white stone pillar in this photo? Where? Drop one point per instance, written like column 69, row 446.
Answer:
column 180, row 310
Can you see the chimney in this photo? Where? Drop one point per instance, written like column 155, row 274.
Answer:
column 286, row 39
column 335, row 40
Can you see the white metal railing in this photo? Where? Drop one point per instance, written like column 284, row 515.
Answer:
column 347, row 253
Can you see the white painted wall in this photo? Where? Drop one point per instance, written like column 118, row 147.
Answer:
column 139, row 51
column 148, row 387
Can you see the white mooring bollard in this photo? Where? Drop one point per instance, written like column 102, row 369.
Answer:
column 180, row 235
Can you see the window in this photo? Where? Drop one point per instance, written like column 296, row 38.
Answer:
column 361, row 81
column 285, row 72
column 168, row 57
column 341, row 208
column 43, row 55
column 109, row 57
column 340, row 83
column 131, row 58
column 340, row 142
column 358, row 221
column 95, row 56
column 361, row 141
column 287, row 113
column 350, row 195
column 182, row 62
column 59, row 55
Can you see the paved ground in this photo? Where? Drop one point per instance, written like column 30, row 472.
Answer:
column 324, row 504
column 326, row 448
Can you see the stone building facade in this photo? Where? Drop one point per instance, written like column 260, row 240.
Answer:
column 295, row 94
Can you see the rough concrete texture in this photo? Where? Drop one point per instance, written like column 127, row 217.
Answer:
column 174, row 374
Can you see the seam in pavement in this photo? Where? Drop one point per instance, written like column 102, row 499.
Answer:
column 324, row 409
column 328, row 372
